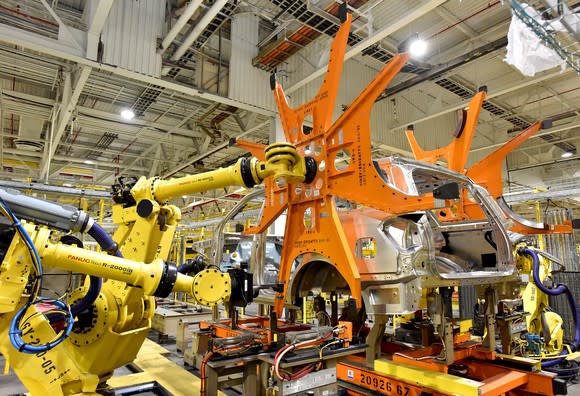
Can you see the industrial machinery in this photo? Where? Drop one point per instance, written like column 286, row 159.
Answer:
column 72, row 345
column 415, row 231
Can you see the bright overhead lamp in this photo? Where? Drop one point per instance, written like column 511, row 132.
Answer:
column 418, row 47
column 127, row 114
column 414, row 45
column 88, row 162
column 567, row 154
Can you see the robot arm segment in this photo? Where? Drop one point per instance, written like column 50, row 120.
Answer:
column 156, row 278
column 61, row 217
column 282, row 161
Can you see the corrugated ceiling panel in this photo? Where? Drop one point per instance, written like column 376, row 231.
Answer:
column 247, row 83
column 130, row 35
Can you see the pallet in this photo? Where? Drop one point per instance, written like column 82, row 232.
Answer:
column 167, row 317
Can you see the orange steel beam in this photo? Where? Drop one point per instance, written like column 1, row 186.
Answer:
column 537, row 383
column 487, row 172
column 456, row 152
column 312, row 224
column 256, row 149
column 501, row 383
column 564, row 228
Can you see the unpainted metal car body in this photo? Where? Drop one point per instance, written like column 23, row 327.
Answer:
column 399, row 256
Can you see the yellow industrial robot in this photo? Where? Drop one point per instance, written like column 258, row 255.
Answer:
column 72, row 345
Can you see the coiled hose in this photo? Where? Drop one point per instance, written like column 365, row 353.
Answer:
column 108, row 245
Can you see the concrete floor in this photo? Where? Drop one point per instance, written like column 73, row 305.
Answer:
column 10, row 384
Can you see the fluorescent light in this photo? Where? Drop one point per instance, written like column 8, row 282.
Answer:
column 418, row 47
column 567, row 154
column 88, row 162
column 127, row 114
column 67, row 185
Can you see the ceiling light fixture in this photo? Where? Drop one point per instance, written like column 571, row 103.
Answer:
column 418, row 47
column 127, row 114
column 567, row 154
column 88, row 162
column 413, row 45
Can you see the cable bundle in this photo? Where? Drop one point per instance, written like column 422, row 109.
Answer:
column 285, row 376
column 59, row 307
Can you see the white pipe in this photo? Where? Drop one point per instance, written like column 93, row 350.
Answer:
column 199, row 28
column 188, row 12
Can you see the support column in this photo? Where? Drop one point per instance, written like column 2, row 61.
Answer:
column 375, row 338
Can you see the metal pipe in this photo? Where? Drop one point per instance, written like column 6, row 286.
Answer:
column 198, row 29
column 188, row 12
column 61, row 217
column 218, row 239
column 38, row 187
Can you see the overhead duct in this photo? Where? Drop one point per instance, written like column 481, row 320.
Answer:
column 29, row 132
column 199, row 28
column 187, row 13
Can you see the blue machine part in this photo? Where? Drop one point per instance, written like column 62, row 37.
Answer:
column 534, row 344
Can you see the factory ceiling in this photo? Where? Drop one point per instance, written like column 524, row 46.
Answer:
column 68, row 68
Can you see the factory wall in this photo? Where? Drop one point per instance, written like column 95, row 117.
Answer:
column 247, row 83
column 130, row 36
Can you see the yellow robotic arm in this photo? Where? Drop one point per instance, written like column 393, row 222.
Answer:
column 111, row 326
column 158, row 278
column 282, row 163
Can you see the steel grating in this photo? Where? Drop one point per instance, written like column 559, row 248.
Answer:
column 314, row 25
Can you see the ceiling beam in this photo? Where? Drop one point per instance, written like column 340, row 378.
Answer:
column 158, row 144
column 188, row 12
column 526, row 83
column 556, row 129
column 47, row 188
column 63, row 28
column 59, row 49
column 62, row 158
column 100, row 11
column 109, row 120
column 213, row 150
column 542, row 196
column 438, row 70
column 116, row 118
column 68, row 106
column 198, row 29
column 456, row 22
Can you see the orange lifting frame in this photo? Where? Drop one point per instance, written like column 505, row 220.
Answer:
column 312, row 224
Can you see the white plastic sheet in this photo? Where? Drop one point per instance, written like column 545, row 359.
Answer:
column 525, row 51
